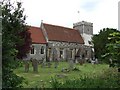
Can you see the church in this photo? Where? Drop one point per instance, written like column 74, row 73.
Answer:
column 51, row 42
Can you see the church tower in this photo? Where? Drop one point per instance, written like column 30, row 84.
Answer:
column 86, row 31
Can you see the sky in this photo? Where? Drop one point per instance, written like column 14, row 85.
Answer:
column 102, row 13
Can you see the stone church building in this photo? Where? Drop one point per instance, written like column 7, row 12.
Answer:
column 51, row 42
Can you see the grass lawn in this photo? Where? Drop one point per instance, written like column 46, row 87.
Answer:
column 43, row 77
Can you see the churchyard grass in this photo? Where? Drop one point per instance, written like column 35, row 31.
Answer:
column 44, row 76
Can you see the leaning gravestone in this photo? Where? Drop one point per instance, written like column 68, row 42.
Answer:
column 43, row 63
column 71, row 64
column 26, row 62
column 56, row 59
column 54, row 54
column 81, row 59
column 49, row 64
column 56, row 63
column 35, row 65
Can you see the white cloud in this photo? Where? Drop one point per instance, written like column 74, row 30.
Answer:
column 90, row 5
column 105, row 14
column 102, row 13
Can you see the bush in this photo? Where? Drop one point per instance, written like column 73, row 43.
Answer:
column 109, row 79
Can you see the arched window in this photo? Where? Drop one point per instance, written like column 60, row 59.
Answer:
column 32, row 50
column 71, row 53
column 61, row 53
column 42, row 50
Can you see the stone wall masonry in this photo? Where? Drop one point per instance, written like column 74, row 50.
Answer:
column 66, row 47
column 64, row 44
column 83, row 22
column 37, row 55
column 84, row 27
column 90, row 53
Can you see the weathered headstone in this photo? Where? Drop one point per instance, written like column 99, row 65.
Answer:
column 43, row 63
column 96, row 61
column 71, row 64
column 56, row 63
column 81, row 58
column 56, row 58
column 26, row 62
column 35, row 65
column 54, row 54
column 49, row 64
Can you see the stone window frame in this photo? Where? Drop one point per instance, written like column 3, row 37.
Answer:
column 32, row 51
column 61, row 54
column 71, row 53
column 42, row 50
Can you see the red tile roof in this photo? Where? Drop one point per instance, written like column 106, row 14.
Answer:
column 59, row 33
column 37, row 35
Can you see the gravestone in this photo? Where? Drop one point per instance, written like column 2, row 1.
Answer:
column 43, row 63
column 56, row 58
column 67, row 55
column 26, row 62
column 49, row 64
column 35, row 65
column 54, row 54
column 56, row 63
column 96, row 61
column 81, row 59
column 71, row 64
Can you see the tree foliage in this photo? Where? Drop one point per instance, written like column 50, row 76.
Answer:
column 100, row 40
column 14, row 36
column 113, row 48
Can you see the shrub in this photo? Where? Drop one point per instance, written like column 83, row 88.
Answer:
column 109, row 79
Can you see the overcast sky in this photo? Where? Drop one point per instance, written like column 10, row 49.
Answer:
column 102, row 13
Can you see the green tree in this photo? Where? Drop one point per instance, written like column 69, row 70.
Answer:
column 114, row 49
column 13, row 25
column 100, row 40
